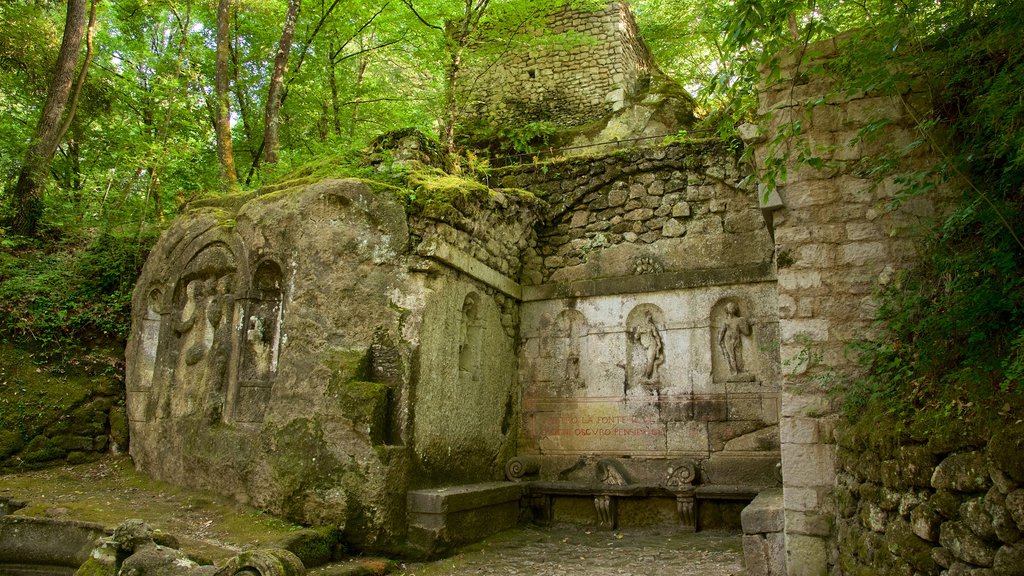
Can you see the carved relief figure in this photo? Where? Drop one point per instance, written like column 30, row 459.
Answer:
column 259, row 340
column 571, row 328
column 649, row 339
column 469, row 338
column 192, row 347
column 218, row 315
column 256, row 339
column 730, row 339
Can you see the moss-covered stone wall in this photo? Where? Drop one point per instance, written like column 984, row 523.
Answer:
column 948, row 502
column 53, row 414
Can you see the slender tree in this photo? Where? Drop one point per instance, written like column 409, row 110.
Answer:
column 28, row 192
column 275, row 93
column 222, row 110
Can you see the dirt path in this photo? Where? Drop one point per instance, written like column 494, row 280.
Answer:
column 579, row 551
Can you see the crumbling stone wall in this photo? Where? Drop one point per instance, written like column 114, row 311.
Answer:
column 945, row 504
column 643, row 211
column 585, row 78
column 838, row 237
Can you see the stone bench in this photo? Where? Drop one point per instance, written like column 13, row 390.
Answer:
column 540, row 493
column 441, row 519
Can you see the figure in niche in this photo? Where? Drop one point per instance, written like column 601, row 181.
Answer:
column 647, row 336
column 469, row 338
column 256, row 338
column 571, row 330
column 730, row 340
column 218, row 314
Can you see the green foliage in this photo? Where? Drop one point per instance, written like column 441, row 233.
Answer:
column 955, row 323
column 61, row 301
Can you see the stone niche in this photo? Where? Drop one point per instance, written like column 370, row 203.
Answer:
column 649, row 343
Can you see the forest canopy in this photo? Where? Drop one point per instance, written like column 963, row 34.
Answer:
column 141, row 139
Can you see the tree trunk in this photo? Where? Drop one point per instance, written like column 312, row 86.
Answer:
column 333, row 80
column 223, row 106
column 274, row 96
column 28, row 192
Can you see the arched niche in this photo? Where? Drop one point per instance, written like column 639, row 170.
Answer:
column 733, row 353
column 147, row 349
column 645, row 349
column 569, row 342
column 259, row 343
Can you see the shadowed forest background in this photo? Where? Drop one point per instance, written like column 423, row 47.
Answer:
column 117, row 115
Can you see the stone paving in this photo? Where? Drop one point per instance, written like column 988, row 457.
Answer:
column 582, row 551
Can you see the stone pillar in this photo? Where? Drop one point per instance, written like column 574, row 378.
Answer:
column 837, row 239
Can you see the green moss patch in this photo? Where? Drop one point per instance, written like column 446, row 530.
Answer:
column 110, row 491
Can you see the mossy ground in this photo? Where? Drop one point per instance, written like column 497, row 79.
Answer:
column 111, row 490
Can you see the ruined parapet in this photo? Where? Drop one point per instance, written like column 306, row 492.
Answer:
column 591, row 79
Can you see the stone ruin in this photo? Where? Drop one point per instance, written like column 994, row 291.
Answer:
column 593, row 78
column 623, row 340
column 323, row 353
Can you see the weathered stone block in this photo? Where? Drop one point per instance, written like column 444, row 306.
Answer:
column 925, row 522
column 977, row 519
column 440, row 519
column 964, row 545
column 1015, row 506
column 673, row 228
column 1004, row 451
column 963, row 472
column 764, row 514
column 799, row 431
column 1009, row 561
column 806, row 555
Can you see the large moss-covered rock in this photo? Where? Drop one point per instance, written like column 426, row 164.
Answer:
column 251, row 330
column 292, row 349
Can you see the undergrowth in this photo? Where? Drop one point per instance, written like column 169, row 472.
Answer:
column 65, row 302
column 953, row 351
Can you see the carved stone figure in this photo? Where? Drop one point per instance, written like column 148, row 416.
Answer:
column 649, row 339
column 256, row 339
column 572, row 327
column 730, row 339
column 611, row 473
column 190, row 323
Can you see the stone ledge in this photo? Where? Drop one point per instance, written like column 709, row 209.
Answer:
column 460, row 498
column 749, row 273
column 450, row 255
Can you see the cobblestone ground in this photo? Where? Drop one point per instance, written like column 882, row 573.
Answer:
column 580, row 551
